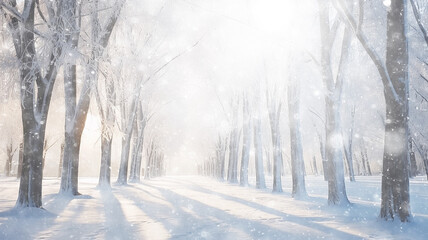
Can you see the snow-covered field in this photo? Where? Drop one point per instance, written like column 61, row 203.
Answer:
column 193, row 207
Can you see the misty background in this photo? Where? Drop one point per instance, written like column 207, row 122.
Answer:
column 225, row 48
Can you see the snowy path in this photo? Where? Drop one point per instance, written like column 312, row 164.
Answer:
column 201, row 208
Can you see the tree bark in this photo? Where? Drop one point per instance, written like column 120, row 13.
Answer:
column 395, row 177
column 70, row 160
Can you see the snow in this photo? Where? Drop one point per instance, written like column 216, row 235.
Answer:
column 193, row 207
column 387, row 3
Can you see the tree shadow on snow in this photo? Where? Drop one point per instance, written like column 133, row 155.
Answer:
column 116, row 224
column 190, row 218
column 21, row 223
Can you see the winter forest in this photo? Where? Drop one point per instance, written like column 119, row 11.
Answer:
column 213, row 119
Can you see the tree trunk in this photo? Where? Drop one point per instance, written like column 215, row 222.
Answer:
column 395, row 178
column 333, row 171
column 315, row 168
column 70, row 160
column 413, row 166
column 107, row 122
column 336, row 180
column 221, row 147
column 296, row 150
column 126, row 142
column 274, row 109
column 134, row 156
column 277, row 161
column 367, row 163
column 139, row 160
column 246, row 136
column 8, row 166
column 149, row 155
column 425, row 159
column 61, row 157
column 138, row 147
column 364, row 171
column 20, row 160
column 30, row 187
column 232, row 176
column 349, row 161
column 348, row 150
column 70, row 167
column 105, row 168
column 258, row 147
column 36, row 93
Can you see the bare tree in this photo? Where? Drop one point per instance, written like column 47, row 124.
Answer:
column 394, row 76
column 333, row 89
column 36, row 88
column 100, row 36
column 417, row 13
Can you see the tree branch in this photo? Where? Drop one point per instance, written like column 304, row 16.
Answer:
column 417, row 15
column 349, row 20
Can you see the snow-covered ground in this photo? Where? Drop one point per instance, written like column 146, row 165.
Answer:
column 193, row 207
